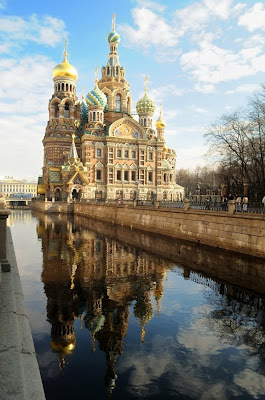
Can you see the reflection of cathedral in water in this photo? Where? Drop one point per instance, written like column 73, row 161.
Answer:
column 96, row 279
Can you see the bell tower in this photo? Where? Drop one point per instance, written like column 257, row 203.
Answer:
column 113, row 83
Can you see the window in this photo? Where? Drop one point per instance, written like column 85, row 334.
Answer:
column 150, row 176
column 126, row 153
column 98, row 174
column 150, row 156
column 118, row 175
column 133, row 154
column 118, row 103
column 133, row 176
column 118, row 153
column 126, row 175
column 98, row 152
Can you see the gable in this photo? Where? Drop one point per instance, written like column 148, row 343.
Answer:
column 128, row 128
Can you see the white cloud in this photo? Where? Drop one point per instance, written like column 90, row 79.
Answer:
column 254, row 18
column 253, row 382
column 211, row 64
column 25, row 89
column 192, row 156
column 152, row 30
column 47, row 30
column 151, row 4
column 245, row 88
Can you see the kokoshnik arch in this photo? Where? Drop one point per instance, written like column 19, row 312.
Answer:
column 95, row 149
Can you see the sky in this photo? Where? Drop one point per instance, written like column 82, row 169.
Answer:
column 202, row 58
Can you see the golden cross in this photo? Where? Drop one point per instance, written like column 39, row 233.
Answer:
column 65, row 46
column 113, row 22
column 96, row 75
column 160, row 107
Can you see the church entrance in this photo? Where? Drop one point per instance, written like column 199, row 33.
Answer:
column 75, row 194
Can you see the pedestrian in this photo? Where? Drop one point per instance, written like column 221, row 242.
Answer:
column 238, row 203
column 245, row 203
column 263, row 202
column 207, row 204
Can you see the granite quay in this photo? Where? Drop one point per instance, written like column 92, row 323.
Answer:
column 19, row 372
column 230, row 230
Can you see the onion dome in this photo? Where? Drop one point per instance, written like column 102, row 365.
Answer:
column 145, row 105
column 65, row 69
column 113, row 36
column 160, row 123
column 96, row 97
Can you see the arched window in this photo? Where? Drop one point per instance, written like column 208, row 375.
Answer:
column 70, row 88
column 66, row 87
column 117, row 71
column 144, row 121
column 56, row 112
column 94, row 116
column 118, row 103
column 108, row 71
column 66, row 110
column 62, row 86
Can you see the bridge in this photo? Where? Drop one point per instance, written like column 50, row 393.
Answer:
column 17, row 202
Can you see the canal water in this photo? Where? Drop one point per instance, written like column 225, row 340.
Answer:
column 122, row 314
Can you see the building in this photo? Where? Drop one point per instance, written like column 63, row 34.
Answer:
column 10, row 187
column 95, row 149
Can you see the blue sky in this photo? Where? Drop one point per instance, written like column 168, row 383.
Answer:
column 203, row 58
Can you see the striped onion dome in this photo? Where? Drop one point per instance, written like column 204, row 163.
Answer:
column 96, row 97
column 113, row 37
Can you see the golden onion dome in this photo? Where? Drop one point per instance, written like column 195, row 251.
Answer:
column 63, row 346
column 160, row 123
column 64, row 68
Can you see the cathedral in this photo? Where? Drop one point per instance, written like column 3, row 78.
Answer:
column 95, row 149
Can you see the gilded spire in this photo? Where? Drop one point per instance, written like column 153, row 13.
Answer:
column 73, row 151
column 65, row 48
column 113, row 22
column 145, row 84
column 96, row 75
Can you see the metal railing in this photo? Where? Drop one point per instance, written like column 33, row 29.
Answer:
column 252, row 207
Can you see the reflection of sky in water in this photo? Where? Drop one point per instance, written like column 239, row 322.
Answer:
column 197, row 345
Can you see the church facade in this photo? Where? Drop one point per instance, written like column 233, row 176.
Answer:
column 95, row 149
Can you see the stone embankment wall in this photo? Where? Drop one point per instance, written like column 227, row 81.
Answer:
column 52, row 207
column 244, row 233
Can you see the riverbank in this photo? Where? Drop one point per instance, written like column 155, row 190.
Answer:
column 19, row 371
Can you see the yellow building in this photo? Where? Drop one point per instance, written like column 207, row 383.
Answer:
column 10, row 187
column 95, row 149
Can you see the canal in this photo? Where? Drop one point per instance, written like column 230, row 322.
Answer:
column 121, row 314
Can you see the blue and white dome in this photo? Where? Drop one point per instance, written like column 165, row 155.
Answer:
column 113, row 37
column 96, row 97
